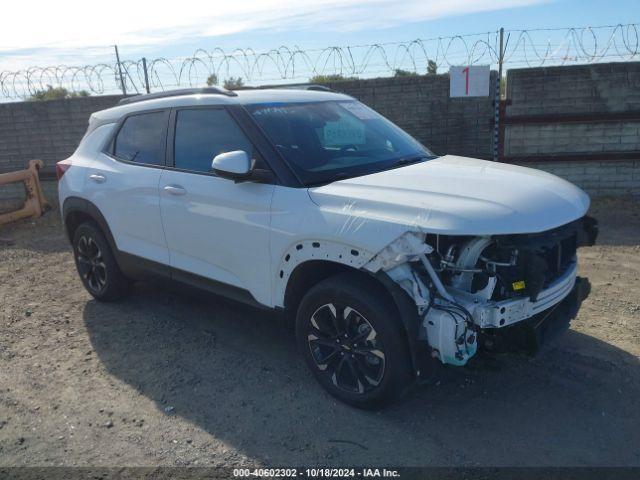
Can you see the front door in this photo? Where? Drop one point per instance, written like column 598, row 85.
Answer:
column 216, row 229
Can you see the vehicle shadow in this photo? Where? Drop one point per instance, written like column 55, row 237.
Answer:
column 234, row 372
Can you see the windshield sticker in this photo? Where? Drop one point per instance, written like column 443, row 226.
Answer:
column 343, row 133
column 359, row 110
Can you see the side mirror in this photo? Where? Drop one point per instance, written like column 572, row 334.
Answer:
column 234, row 165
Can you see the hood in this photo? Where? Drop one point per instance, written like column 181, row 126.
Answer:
column 460, row 196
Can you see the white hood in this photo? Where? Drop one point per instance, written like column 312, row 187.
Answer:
column 457, row 195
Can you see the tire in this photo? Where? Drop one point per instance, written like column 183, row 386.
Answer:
column 369, row 367
column 97, row 265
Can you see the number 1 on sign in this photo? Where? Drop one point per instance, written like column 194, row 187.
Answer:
column 466, row 80
column 469, row 81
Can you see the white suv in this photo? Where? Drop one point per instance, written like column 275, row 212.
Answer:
column 392, row 261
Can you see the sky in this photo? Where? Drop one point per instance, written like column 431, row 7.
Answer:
column 74, row 32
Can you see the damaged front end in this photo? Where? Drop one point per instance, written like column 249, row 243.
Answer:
column 499, row 292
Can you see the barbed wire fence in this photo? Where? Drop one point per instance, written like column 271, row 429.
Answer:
column 511, row 48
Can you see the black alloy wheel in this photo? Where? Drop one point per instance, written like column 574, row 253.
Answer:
column 352, row 338
column 91, row 264
column 96, row 264
column 346, row 348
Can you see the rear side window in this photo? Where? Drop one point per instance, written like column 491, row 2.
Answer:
column 141, row 138
column 201, row 134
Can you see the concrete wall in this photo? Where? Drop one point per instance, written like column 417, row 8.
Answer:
column 600, row 91
column 572, row 138
column 601, row 178
column 49, row 130
column 596, row 88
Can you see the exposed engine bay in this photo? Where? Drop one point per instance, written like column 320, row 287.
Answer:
column 465, row 287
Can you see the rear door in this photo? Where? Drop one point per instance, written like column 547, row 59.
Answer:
column 216, row 229
column 124, row 185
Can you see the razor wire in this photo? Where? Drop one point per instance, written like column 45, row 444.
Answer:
column 526, row 48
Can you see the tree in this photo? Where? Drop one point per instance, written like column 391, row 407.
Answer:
column 404, row 73
column 232, row 83
column 432, row 67
column 57, row 93
column 331, row 78
column 212, row 80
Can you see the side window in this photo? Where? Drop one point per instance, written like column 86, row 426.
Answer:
column 201, row 134
column 141, row 138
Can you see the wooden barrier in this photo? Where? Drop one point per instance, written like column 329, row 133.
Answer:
column 35, row 203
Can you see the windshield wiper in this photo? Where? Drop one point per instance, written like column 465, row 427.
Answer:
column 333, row 178
column 342, row 175
column 407, row 160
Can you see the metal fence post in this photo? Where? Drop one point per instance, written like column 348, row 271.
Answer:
column 497, row 100
column 124, row 89
column 146, row 75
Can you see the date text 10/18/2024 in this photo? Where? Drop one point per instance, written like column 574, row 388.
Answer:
column 316, row 473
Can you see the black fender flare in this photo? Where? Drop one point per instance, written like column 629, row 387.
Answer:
column 81, row 205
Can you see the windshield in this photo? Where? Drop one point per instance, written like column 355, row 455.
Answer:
column 327, row 141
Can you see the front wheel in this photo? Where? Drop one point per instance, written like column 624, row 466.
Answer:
column 350, row 335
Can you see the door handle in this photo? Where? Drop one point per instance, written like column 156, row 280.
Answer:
column 96, row 177
column 175, row 189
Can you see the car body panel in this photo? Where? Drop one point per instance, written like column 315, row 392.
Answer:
column 296, row 220
column 457, row 196
column 127, row 196
column 129, row 201
column 219, row 229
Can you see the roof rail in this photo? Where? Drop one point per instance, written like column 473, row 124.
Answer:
column 303, row 86
column 320, row 88
column 177, row 93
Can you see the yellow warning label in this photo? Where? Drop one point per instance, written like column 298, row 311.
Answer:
column 519, row 285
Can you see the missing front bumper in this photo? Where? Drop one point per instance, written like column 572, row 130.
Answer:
column 509, row 312
column 535, row 333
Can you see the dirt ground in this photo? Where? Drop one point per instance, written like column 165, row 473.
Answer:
column 169, row 379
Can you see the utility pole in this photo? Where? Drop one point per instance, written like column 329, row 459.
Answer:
column 501, row 57
column 124, row 89
column 497, row 102
column 146, row 75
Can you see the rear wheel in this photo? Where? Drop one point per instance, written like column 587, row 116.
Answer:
column 96, row 264
column 350, row 335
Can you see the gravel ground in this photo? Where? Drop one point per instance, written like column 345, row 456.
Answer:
column 169, row 379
